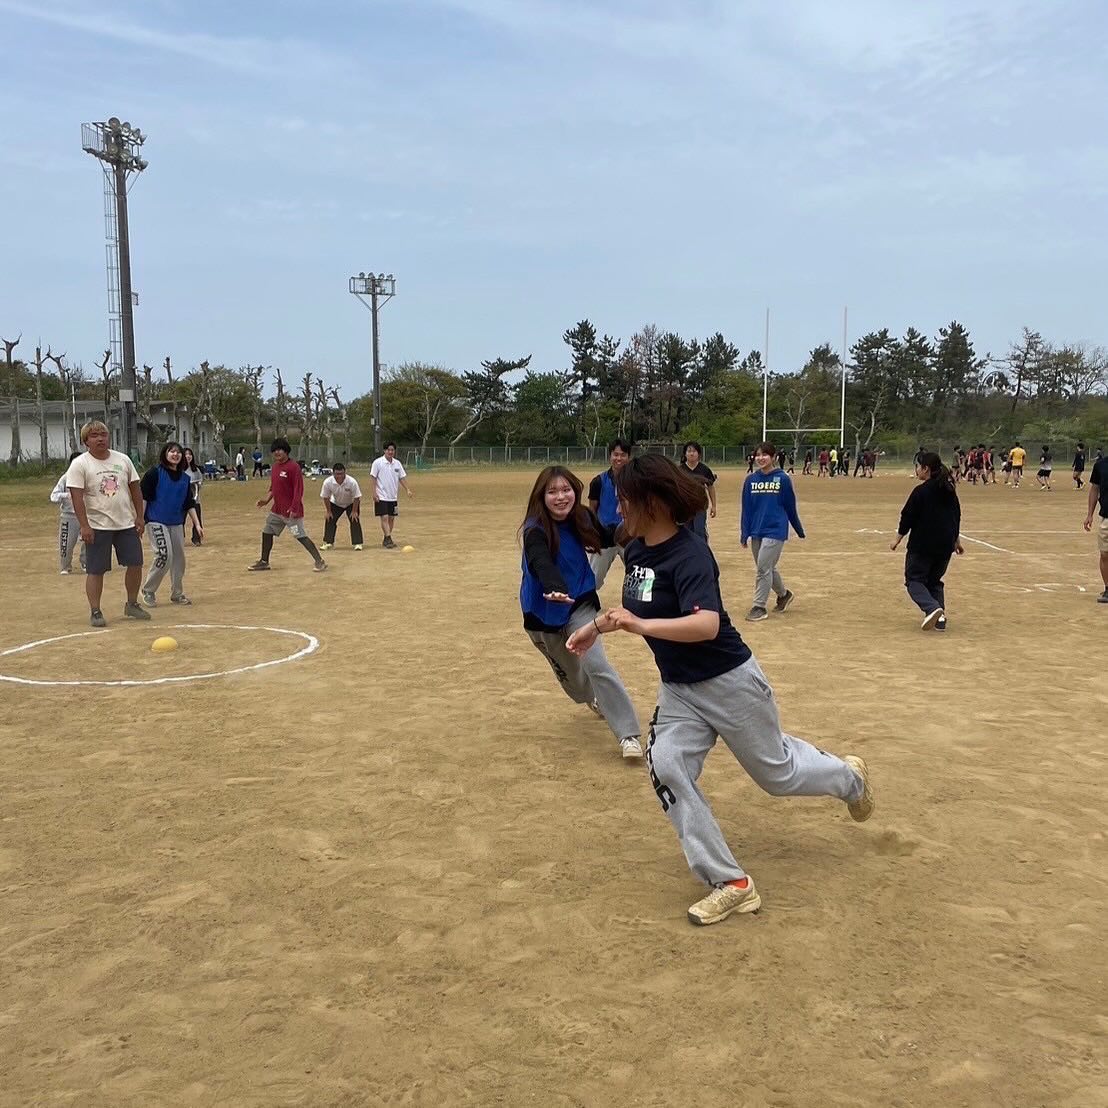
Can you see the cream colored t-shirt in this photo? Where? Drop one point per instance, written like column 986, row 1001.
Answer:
column 106, row 484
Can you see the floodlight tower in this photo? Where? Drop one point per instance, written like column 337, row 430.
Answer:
column 118, row 146
column 374, row 291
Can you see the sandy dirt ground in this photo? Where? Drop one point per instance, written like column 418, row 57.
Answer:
column 405, row 869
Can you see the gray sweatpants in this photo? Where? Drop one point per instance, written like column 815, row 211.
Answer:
column 602, row 562
column 591, row 677
column 767, row 553
column 737, row 706
column 69, row 535
column 169, row 555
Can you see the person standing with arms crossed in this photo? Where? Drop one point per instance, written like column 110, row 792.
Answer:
column 768, row 507
column 107, row 501
column 341, row 496
column 604, row 504
column 388, row 475
column 711, row 686
column 286, row 491
column 1098, row 491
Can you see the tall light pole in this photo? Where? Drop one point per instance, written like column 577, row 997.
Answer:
column 374, row 291
column 118, row 146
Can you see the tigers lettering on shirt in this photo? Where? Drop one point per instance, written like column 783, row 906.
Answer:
column 770, row 485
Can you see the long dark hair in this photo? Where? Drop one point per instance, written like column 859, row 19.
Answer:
column 580, row 519
column 162, row 460
column 653, row 481
column 940, row 475
column 188, row 459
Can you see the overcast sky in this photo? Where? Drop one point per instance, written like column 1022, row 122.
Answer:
column 523, row 164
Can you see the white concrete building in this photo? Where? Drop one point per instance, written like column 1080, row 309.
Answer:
column 172, row 420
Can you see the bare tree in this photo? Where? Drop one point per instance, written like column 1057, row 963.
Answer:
column 281, row 414
column 13, row 401
column 253, row 377
column 69, row 403
column 343, row 412
column 167, row 365
column 107, row 374
column 323, row 413
column 40, row 403
column 307, row 421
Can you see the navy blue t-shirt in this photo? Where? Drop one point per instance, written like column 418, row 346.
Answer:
column 677, row 578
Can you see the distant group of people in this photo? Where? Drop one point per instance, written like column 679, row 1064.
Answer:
column 105, row 507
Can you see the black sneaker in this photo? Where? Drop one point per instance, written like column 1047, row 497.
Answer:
column 756, row 614
column 96, row 618
column 940, row 623
column 258, row 565
column 1103, row 598
column 783, row 602
column 135, row 611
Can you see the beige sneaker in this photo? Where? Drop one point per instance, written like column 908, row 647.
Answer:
column 630, row 747
column 862, row 808
column 721, row 902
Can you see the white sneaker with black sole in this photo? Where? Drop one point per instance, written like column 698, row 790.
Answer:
column 931, row 619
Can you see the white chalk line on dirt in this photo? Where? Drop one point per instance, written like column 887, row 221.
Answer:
column 311, row 645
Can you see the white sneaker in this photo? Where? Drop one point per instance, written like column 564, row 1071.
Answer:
column 326, row 545
column 721, row 902
column 630, row 747
column 358, row 546
column 931, row 619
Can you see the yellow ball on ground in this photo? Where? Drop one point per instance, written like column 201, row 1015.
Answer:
column 164, row 645
column 407, row 549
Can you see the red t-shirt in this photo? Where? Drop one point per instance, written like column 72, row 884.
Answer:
column 286, row 482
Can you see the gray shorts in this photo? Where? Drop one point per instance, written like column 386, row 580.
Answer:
column 98, row 554
column 275, row 524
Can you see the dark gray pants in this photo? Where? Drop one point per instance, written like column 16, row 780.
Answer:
column 923, row 578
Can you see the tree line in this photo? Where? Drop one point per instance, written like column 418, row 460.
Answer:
column 656, row 387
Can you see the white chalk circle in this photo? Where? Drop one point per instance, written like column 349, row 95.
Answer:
column 311, row 644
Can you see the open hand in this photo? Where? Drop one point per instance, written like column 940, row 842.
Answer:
column 557, row 598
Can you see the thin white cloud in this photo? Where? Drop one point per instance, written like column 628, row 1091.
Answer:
column 247, row 55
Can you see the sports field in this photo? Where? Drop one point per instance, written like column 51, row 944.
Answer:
column 405, row 869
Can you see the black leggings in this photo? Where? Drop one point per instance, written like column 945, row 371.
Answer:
column 200, row 518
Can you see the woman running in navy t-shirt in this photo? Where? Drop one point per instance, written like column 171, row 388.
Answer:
column 711, row 684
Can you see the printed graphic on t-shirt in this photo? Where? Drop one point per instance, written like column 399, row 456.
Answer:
column 109, row 484
column 638, row 584
column 770, row 485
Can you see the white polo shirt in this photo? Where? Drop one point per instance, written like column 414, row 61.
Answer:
column 342, row 495
column 388, row 476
